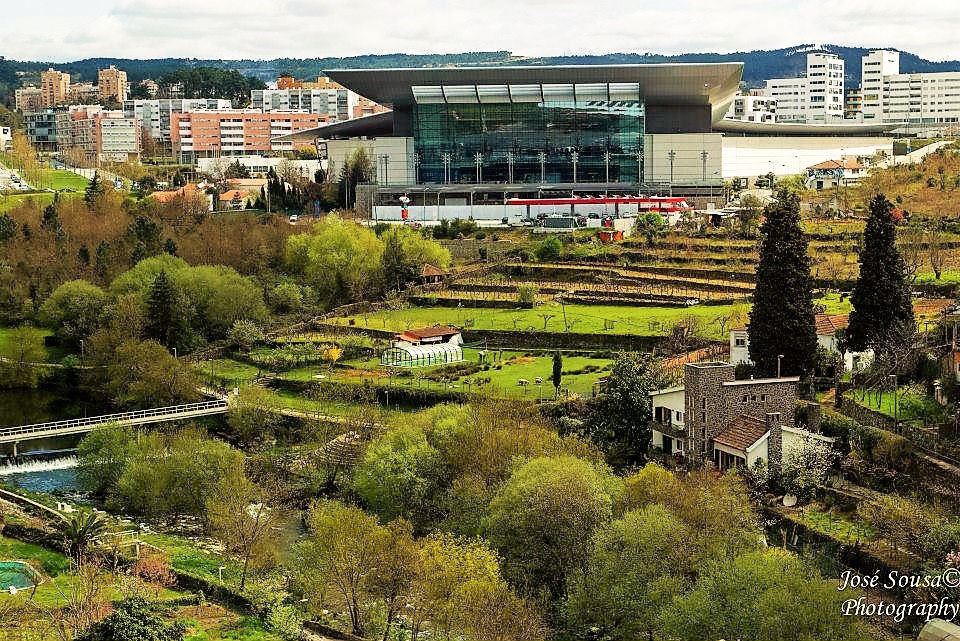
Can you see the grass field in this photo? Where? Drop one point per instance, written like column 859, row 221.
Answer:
column 590, row 319
column 516, row 366
column 54, row 354
column 9, row 202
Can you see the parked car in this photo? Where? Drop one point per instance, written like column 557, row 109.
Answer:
column 294, row 218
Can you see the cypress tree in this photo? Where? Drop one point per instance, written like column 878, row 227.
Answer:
column 882, row 309
column 782, row 319
column 557, row 375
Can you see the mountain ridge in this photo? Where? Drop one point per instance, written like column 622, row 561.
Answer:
column 759, row 64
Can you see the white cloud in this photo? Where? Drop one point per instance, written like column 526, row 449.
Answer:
column 59, row 30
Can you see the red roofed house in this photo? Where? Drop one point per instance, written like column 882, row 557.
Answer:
column 827, row 327
column 734, row 423
column 437, row 345
column 431, row 274
column 832, row 173
column 236, row 199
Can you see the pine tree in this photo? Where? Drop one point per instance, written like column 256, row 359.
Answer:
column 782, row 320
column 167, row 321
column 882, row 310
column 94, row 189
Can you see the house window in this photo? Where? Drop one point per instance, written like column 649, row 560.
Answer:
column 746, row 398
column 763, row 398
column 741, row 342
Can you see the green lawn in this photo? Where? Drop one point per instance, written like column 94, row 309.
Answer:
column 504, row 376
column 906, row 404
column 186, row 556
column 835, row 526
column 54, row 354
column 227, row 371
column 248, row 628
column 590, row 319
column 9, row 202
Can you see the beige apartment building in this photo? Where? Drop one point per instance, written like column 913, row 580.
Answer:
column 112, row 84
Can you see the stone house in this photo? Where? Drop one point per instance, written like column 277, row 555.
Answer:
column 732, row 423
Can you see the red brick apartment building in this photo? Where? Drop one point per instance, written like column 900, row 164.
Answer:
column 207, row 134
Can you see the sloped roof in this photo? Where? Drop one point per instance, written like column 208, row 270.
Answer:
column 430, row 332
column 844, row 163
column 431, row 270
column 234, row 194
column 827, row 325
column 742, row 432
column 167, row 196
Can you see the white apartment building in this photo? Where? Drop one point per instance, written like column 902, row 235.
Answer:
column 816, row 97
column 753, row 108
column 118, row 136
column 332, row 102
column 155, row 114
column 915, row 98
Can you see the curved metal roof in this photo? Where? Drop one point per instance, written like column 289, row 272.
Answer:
column 697, row 84
column 730, row 125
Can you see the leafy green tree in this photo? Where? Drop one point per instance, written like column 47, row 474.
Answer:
column 171, row 475
column 145, row 375
column 619, row 421
column 286, row 297
column 747, row 597
column 649, row 225
column 548, row 250
column 882, row 309
column 254, row 415
column 220, row 297
column 73, row 310
column 638, row 565
column 337, row 559
column 556, row 376
column 102, row 457
column 405, row 251
column 238, row 515
column 136, row 619
column 541, row 520
column 236, row 169
column 357, row 169
column 396, row 476
column 782, row 317
column 339, row 259
column 168, row 313
column 245, row 334
column 20, row 352
column 8, row 228
column 140, row 278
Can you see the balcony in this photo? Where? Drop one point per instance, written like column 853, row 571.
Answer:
column 670, row 428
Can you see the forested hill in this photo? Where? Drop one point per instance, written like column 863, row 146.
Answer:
column 759, row 65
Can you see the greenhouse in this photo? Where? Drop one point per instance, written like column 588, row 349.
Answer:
column 409, row 355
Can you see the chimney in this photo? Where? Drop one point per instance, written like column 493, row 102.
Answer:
column 774, row 443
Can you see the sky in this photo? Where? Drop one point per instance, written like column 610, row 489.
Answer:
column 64, row 30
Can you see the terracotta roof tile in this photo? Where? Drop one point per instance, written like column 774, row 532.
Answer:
column 741, row 433
column 430, row 332
column 827, row 325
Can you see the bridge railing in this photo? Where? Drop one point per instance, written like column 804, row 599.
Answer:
column 108, row 418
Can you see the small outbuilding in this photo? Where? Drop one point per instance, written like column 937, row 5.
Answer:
column 423, row 347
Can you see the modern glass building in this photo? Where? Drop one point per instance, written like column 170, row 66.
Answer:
column 529, row 133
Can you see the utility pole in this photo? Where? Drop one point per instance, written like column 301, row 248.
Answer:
column 574, row 157
column 543, row 166
column 703, row 159
column 478, row 159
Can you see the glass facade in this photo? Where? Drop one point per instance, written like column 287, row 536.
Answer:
column 529, row 133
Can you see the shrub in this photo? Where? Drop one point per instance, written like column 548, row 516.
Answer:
column 527, row 295
column 548, row 250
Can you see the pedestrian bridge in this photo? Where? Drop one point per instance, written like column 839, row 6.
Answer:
column 139, row 417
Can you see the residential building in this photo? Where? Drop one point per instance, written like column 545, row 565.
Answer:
column 364, row 107
column 733, row 423
column 830, row 174
column 331, row 102
column 817, row 97
column 753, row 108
column 42, row 128
column 212, row 134
column 29, row 99
column 54, row 86
column 82, row 93
column 151, row 87
column 112, row 84
column 6, row 138
column 257, row 164
column 118, row 137
column 156, row 114
column 913, row 98
column 98, row 134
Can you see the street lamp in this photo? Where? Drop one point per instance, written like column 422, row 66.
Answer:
column 510, row 159
column 779, row 357
column 671, row 155
column 639, row 168
column 703, row 159
column 543, row 166
column 574, row 157
column 446, row 159
column 478, row 160
column 606, row 166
